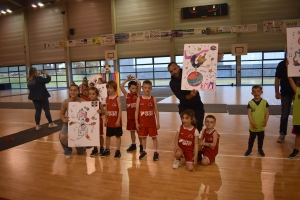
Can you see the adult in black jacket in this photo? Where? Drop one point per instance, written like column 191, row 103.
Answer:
column 188, row 99
column 39, row 94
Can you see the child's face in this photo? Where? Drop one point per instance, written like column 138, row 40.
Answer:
column 210, row 123
column 92, row 95
column 256, row 92
column 186, row 120
column 147, row 89
column 73, row 91
column 133, row 89
column 111, row 90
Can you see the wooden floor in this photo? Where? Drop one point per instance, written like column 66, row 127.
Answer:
column 39, row 170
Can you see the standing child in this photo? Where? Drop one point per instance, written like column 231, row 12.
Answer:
column 145, row 114
column 258, row 114
column 209, row 141
column 186, row 141
column 63, row 136
column 114, row 122
column 85, row 92
column 93, row 94
column 296, row 116
column 134, row 88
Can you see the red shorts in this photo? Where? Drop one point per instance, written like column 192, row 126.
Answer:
column 131, row 125
column 145, row 131
column 188, row 153
column 101, row 126
column 296, row 129
column 209, row 153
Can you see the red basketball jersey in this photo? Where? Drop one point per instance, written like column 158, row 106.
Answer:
column 112, row 110
column 208, row 138
column 186, row 137
column 131, row 105
column 147, row 112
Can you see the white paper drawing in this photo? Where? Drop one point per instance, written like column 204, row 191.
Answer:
column 102, row 92
column 83, row 126
column 293, row 51
column 199, row 69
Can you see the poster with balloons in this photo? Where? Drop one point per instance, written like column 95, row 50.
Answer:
column 83, row 126
column 293, row 51
column 199, row 69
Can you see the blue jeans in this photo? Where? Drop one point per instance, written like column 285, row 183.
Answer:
column 286, row 102
column 64, row 143
column 39, row 105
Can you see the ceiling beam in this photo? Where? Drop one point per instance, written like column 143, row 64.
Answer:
column 15, row 3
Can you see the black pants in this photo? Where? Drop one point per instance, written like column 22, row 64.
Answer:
column 199, row 114
column 260, row 139
column 39, row 105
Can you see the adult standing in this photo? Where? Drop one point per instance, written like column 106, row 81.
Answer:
column 39, row 94
column 188, row 99
column 285, row 94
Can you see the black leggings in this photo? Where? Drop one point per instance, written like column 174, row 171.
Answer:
column 260, row 139
column 39, row 105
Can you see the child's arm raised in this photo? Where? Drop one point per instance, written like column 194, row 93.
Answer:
column 137, row 110
column 138, row 85
column 156, row 114
column 250, row 119
column 123, row 84
column 120, row 112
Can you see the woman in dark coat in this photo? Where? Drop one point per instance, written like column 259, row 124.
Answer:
column 39, row 94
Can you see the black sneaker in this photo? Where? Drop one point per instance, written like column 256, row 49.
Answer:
column 105, row 153
column 155, row 156
column 199, row 158
column 94, row 152
column 132, row 147
column 101, row 151
column 143, row 155
column 248, row 152
column 117, row 154
column 141, row 148
column 261, row 152
column 294, row 154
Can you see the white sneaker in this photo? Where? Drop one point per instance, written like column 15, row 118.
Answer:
column 38, row 127
column 281, row 139
column 176, row 164
column 68, row 156
column 52, row 125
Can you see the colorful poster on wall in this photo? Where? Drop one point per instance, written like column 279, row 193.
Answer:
column 291, row 23
column 71, row 43
column 212, row 30
column 293, row 51
column 199, row 67
column 152, row 35
column 248, row 28
column 224, row 29
column 273, row 26
column 122, row 38
column 108, row 39
column 237, row 29
column 83, row 126
column 138, row 36
column 200, row 31
column 166, row 34
column 188, row 32
column 177, row 33
column 96, row 40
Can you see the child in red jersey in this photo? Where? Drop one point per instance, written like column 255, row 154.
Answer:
column 147, row 118
column 134, row 88
column 186, row 141
column 85, row 92
column 208, row 141
column 113, row 115
column 93, row 94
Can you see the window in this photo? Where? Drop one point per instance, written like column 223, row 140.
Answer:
column 81, row 69
column 16, row 75
column 154, row 69
column 57, row 71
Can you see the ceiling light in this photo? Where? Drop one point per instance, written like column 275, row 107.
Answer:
column 3, row 12
column 40, row 4
column 9, row 11
column 33, row 5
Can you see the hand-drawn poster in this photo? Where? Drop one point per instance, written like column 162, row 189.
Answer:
column 199, row 67
column 293, row 51
column 108, row 39
column 83, row 126
column 100, row 86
